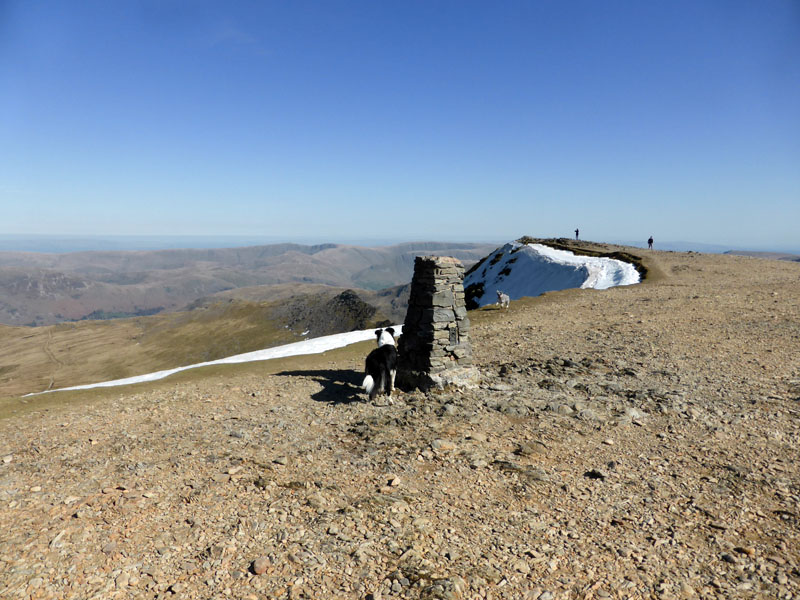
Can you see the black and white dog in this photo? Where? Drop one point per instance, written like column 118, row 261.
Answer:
column 381, row 365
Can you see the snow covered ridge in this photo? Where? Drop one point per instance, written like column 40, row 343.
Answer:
column 532, row 269
column 312, row 346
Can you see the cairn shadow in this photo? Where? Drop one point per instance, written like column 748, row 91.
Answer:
column 339, row 386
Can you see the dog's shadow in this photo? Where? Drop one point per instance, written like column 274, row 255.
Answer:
column 341, row 386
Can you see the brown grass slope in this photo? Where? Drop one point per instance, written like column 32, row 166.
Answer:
column 68, row 354
column 636, row 442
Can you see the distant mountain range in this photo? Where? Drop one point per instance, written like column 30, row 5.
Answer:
column 708, row 248
column 42, row 289
column 768, row 255
column 59, row 244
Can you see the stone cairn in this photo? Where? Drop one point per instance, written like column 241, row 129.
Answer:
column 434, row 349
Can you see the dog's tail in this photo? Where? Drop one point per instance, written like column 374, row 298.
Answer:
column 368, row 385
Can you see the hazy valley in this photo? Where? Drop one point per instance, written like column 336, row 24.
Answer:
column 45, row 289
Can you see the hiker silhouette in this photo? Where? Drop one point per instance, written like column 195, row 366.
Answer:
column 650, row 243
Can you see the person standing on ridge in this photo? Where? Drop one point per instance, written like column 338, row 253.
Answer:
column 576, row 233
column 650, row 243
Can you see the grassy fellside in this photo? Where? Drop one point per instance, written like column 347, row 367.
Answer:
column 58, row 356
column 349, row 357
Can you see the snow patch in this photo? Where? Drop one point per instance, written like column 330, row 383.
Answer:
column 312, row 346
column 521, row 270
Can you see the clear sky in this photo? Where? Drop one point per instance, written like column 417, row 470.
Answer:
column 403, row 120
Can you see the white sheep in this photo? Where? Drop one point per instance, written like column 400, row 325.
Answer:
column 503, row 299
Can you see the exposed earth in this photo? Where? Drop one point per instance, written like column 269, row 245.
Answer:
column 636, row 442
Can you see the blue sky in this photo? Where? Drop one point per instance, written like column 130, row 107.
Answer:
column 403, row 120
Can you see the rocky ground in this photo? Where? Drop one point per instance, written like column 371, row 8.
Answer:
column 638, row 442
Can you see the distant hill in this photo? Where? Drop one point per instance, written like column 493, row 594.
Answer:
column 769, row 255
column 679, row 246
column 43, row 289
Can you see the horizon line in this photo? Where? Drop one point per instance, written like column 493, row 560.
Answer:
column 177, row 241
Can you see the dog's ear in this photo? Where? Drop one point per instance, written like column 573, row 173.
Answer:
column 378, row 333
column 390, row 330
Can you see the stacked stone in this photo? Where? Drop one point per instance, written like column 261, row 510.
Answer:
column 434, row 348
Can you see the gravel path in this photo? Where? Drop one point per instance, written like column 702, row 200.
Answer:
column 638, row 442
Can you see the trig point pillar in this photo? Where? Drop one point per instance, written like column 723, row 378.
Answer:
column 434, row 349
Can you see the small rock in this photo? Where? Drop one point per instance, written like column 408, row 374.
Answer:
column 260, row 565
column 317, row 501
column 440, row 445
column 500, row 387
column 57, row 542
column 589, row 414
column 521, row 566
column 421, row 523
column 562, row 409
column 634, row 414
column 82, row 513
column 530, row 448
column 109, row 548
column 490, row 574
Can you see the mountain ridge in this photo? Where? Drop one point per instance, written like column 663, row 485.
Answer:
column 44, row 289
